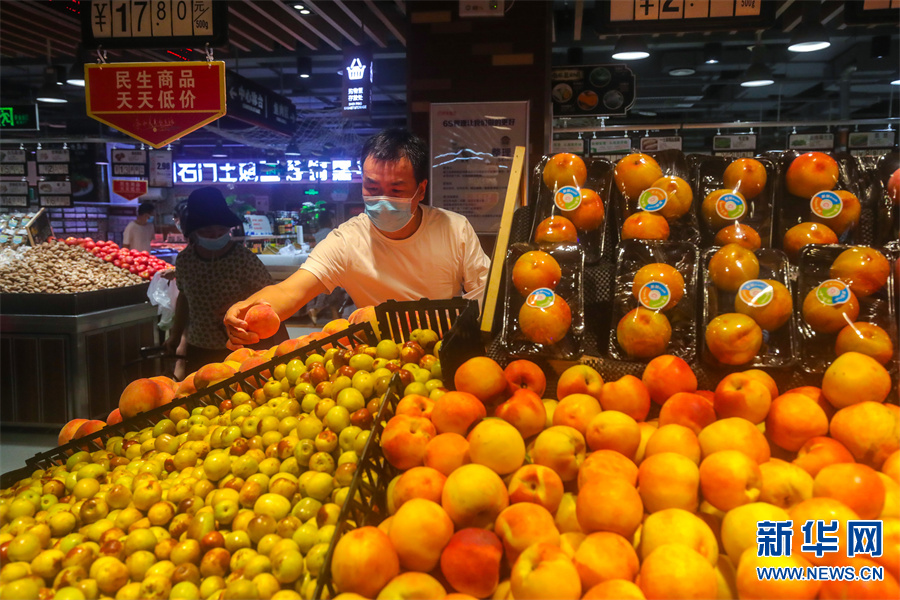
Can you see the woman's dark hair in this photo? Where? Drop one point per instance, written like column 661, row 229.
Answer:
column 395, row 143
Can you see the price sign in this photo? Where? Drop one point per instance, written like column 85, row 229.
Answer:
column 12, row 162
column 871, row 139
column 571, row 146
column 154, row 24
column 53, row 169
column 13, row 193
column 53, row 156
column 811, row 141
column 654, row 144
column 620, row 145
column 129, row 163
column 39, row 229
column 161, row 170
column 641, row 16
column 735, row 146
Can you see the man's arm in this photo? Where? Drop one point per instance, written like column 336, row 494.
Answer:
column 476, row 267
column 127, row 235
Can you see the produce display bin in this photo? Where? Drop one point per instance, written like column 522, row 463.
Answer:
column 73, row 304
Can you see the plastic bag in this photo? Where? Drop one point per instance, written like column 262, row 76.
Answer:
column 163, row 293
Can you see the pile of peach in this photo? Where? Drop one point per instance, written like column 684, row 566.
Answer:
column 585, row 498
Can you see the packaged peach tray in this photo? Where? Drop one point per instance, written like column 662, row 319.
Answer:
column 847, row 303
column 734, row 200
column 543, row 313
column 655, row 300
column 572, row 203
column 748, row 308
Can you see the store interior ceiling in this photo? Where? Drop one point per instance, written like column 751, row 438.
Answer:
column 848, row 81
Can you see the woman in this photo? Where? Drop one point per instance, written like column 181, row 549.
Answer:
column 212, row 273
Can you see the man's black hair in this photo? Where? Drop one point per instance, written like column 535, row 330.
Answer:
column 146, row 208
column 395, row 143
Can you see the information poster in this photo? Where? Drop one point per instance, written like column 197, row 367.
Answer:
column 655, row 144
column 570, row 146
column 472, row 147
column 611, row 148
column 811, row 141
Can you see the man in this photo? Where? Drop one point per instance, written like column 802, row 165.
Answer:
column 139, row 233
column 399, row 249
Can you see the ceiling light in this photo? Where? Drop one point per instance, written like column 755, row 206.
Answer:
column 881, row 46
column 299, row 7
column 681, row 72
column 49, row 91
column 630, row 48
column 758, row 74
column 712, row 53
column 305, row 12
column 292, row 149
column 304, row 66
column 810, row 35
column 219, row 151
column 895, row 82
column 75, row 76
column 645, row 113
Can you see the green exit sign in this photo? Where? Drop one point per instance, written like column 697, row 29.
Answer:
column 19, row 117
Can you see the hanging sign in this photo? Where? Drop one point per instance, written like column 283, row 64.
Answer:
column 128, row 163
column 155, row 103
column 142, row 24
column 13, row 193
column 592, row 90
column 12, row 162
column 678, row 16
column 19, row 117
column 161, row 169
column 654, row 144
column 735, row 146
column 871, row 139
column 570, row 146
column 129, row 189
column 357, row 90
column 811, row 141
column 258, row 105
column 615, row 145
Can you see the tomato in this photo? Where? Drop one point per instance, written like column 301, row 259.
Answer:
column 71, row 241
column 90, row 245
column 109, row 258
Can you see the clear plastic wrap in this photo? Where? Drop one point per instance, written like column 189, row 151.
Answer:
column 886, row 197
column 655, row 294
column 532, row 295
column 828, row 307
column 751, row 294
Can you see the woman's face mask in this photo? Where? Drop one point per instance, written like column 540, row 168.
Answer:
column 214, row 244
column 388, row 213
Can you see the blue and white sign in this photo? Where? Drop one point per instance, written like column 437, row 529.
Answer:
column 357, row 96
column 260, row 171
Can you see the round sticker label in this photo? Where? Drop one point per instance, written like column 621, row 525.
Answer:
column 654, row 295
column 4, row 239
column 652, row 199
column 826, row 204
column 756, row 292
column 18, row 240
column 567, row 198
column 730, row 206
column 833, row 292
column 541, row 298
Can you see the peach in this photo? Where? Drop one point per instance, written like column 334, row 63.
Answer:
column 212, row 374
column 165, row 381
column 794, row 419
column 614, row 589
column 745, row 175
column 677, row 526
column 864, row 269
column 363, row 562
column 455, row 412
column 576, row 411
column 729, row 479
column 819, row 452
column 497, row 445
column 810, row 173
column 471, row 562
column 482, row 377
column 524, row 374
column 739, row 527
column 719, row 212
column 262, row 320
column 635, row 173
column 419, row 532
column 415, row 405
column 589, row 215
column 661, row 273
column 668, row 480
column 142, row 395
column 784, row 484
column 865, row 338
column 68, row 431
column 859, row 487
column 690, row 410
column 612, row 505
column 869, row 430
column 853, row 378
column 604, row 556
column 114, row 417
column 860, row 588
column 847, row 218
column 535, row 269
column 612, row 430
column 579, row 379
column 674, row 438
column 821, row 509
column 628, row 395
column 185, row 387
column 678, row 196
column 890, row 558
column 521, row 525
column 547, row 320
column 891, row 466
column 804, row 234
column 447, row 452
column 544, row 571
column 676, row 571
column 644, row 225
column 731, row 266
column 89, row 427
column 733, row 338
column 765, row 379
column 566, row 517
column 643, row 333
column 473, row 496
column 739, row 395
column 252, row 363
column 287, row 346
column 524, row 411
column 560, row 448
column 536, row 484
column 564, row 169
column 893, row 187
column 607, row 464
column 556, row 230
column 752, row 587
column 404, row 440
column 410, row 586
column 740, row 234
column 240, row 355
column 418, row 482
column 734, row 434
column 667, row 375
column 766, row 301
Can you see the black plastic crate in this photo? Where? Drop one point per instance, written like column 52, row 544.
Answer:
column 73, row 304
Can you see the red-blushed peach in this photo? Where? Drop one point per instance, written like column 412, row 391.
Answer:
column 858, row 486
column 729, row 479
column 524, row 411
column 794, row 419
column 864, row 586
column 536, row 484
column 890, row 558
column 114, row 417
column 612, row 430
column 821, row 510
column 412, row 585
column 483, row 378
column 854, row 378
column 674, row 438
column 142, row 395
column 869, row 430
column 847, row 219
column 524, row 374
column 544, row 571
column 819, row 452
column 603, row 556
column 677, row 526
column 731, row 266
column 556, row 230
column 647, row 430
column 471, row 562
column 740, row 234
column 570, row 541
column 576, row 411
column 765, row 379
column 676, row 571
column 804, row 234
column 262, row 320
column 667, row 375
column 419, row 482
column 662, row 273
column 635, row 173
column 891, row 497
column 419, row 532
column 614, row 589
column 828, row 317
column 566, row 517
column 739, row 527
column 678, row 196
column 735, row 434
column 644, row 225
column 738, row 395
column 447, row 452
column 689, row 410
column 455, row 412
column 69, row 429
column 211, row 374
column 784, row 484
column 669, row 480
column 891, row 466
column 497, row 445
column 770, row 315
column 643, row 333
column 710, row 208
column 564, row 169
column 607, row 464
column 810, row 173
column 579, row 379
column 745, row 175
column 733, row 338
column 535, row 269
column 473, row 496
column 89, row 427
column 751, row 586
column 404, row 440
column 865, row 338
column 415, row 405
column 364, row 561
column 589, row 215
column 628, row 395
column 240, row 355
column 521, row 525
column 864, row 269
column 560, row 448
column 612, row 505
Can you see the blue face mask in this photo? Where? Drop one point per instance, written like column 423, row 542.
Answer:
column 150, row 221
column 389, row 214
column 214, row 243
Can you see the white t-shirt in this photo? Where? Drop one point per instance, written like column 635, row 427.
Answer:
column 138, row 236
column 441, row 260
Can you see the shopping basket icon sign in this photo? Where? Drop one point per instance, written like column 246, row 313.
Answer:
column 356, row 70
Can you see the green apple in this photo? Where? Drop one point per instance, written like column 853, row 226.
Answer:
column 322, row 462
column 387, row 349
column 308, row 403
column 338, row 417
column 341, row 383
column 360, row 442
column 379, row 363
column 436, row 370
column 351, row 399
column 303, row 388
column 294, row 370
column 320, row 486
column 362, row 362
column 350, row 456
column 426, row 338
column 329, row 354
column 309, row 428
column 415, row 387
column 381, row 385
column 433, row 384
column 422, row 375
column 324, row 405
column 364, row 382
column 306, row 509
column 381, row 372
column 347, row 437
column 314, row 358
column 437, row 393
column 305, row 536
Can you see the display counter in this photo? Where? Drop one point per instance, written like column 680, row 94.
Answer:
column 282, row 266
